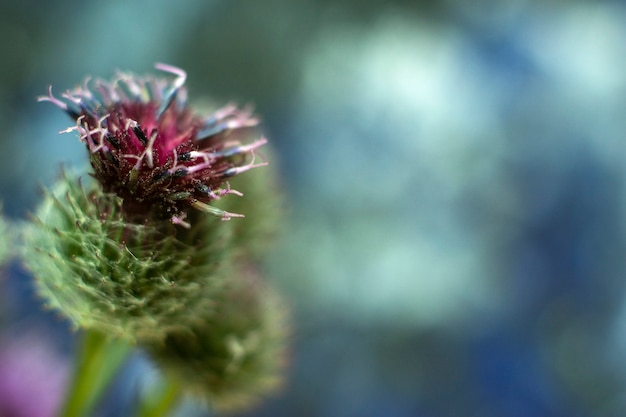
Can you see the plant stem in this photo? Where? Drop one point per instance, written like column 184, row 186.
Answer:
column 96, row 364
column 160, row 401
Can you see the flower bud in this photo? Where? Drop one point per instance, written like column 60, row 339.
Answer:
column 234, row 354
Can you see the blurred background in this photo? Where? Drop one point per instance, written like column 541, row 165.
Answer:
column 455, row 239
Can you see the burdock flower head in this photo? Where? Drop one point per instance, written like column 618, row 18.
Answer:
column 111, row 254
column 148, row 147
column 112, row 257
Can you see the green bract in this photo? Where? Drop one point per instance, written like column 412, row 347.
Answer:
column 234, row 354
column 136, row 281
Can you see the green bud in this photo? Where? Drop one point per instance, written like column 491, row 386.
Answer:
column 233, row 355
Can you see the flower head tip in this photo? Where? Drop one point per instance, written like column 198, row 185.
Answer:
column 147, row 146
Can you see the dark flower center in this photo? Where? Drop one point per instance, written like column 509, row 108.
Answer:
column 149, row 148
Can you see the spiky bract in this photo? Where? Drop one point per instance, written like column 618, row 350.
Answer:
column 233, row 355
column 137, row 281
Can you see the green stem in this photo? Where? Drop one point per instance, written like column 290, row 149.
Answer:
column 160, row 401
column 95, row 366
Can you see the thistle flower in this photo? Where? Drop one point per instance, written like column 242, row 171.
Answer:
column 109, row 254
column 148, row 147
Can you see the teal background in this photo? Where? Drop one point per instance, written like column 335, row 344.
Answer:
column 454, row 244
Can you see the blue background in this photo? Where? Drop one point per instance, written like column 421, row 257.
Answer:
column 455, row 241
